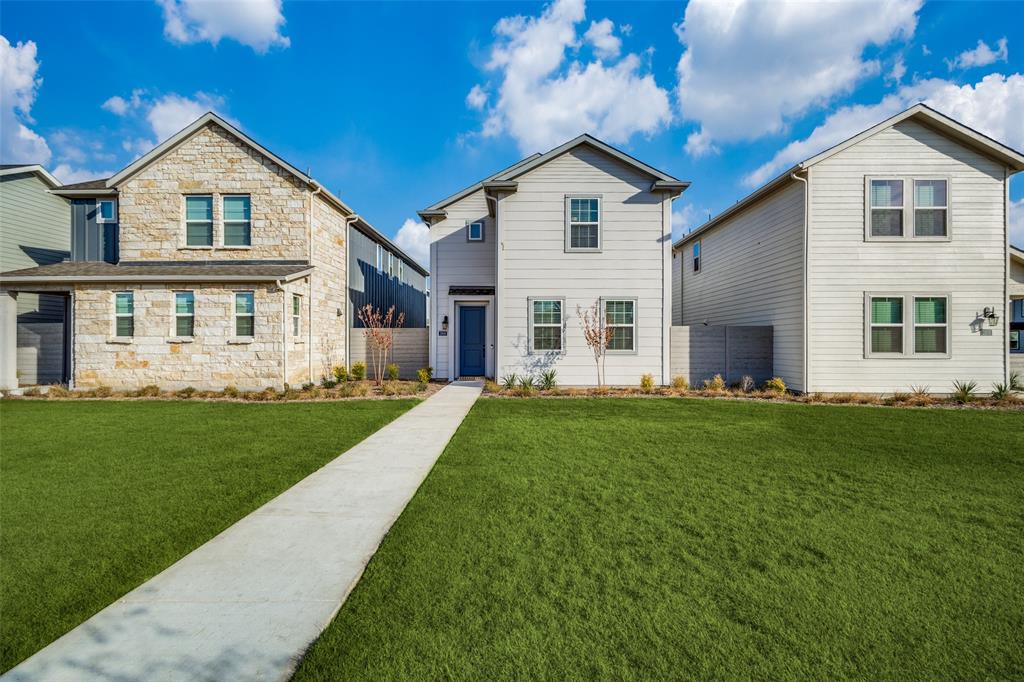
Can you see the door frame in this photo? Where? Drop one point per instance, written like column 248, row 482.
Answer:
column 458, row 347
column 453, row 346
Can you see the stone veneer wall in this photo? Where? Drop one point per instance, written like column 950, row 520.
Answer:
column 212, row 360
column 151, row 204
column 328, row 254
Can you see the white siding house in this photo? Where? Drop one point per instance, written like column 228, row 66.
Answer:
column 579, row 226
column 886, row 278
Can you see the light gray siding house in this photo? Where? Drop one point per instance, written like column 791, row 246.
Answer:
column 514, row 257
column 34, row 230
column 881, row 263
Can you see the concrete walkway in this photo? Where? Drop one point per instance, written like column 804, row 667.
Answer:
column 248, row 603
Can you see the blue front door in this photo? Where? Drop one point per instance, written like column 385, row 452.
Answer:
column 472, row 334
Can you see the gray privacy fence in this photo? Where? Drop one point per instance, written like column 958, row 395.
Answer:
column 409, row 351
column 700, row 352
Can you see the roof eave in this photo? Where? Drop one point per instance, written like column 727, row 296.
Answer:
column 47, row 177
column 83, row 192
column 587, row 139
column 73, row 279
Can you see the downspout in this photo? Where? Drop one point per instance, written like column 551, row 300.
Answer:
column 309, row 313
column 1006, row 275
column 348, row 291
column 806, row 316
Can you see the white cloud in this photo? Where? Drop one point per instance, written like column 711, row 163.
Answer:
column 897, row 72
column 256, row 23
column 546, row 98
column 925, row 51
column 414, row 238
column 120, row 106
column 19, row 81
column 68, row 174
column 685, row 217
column 992, row 106
column 982, row 55
column 1017, row 223
column 172, row 112
column 601, row 35
column 477, row 98
column 750, row 66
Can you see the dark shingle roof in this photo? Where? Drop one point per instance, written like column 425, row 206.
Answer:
column 88, row 184
column 218, row 271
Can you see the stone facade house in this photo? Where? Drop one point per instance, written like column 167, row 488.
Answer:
column 208, row 262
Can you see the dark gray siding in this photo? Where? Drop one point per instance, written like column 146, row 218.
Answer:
column 367, row 285
column 91, row 241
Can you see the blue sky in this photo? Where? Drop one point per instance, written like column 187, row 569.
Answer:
column 396, row 105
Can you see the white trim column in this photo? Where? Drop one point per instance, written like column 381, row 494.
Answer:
column 8, row 340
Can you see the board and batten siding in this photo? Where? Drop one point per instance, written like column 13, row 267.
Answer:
column 633, row 264
column 752, row 274
column 455, row 261
column 406, row 289
column 843, row 265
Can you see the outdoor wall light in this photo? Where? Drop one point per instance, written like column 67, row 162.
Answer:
column 444, row 324
column 991, row 315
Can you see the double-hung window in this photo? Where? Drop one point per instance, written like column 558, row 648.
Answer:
column 886, row 325
column 931, row 330
column 237, row 216
column 391, row 264
column 380, row 258
column 931, row 208
column 475, row 232
column 696, row 256
column 907, row 326
column 908, row 208
column 583, row 224
column 1015, row 341
column 199, row 220
column 401, row 270
column 546, row 325
column 296, row 314
column 184, row 314
column 245, row 314
column 124, row 314
column 106, row 211
column 886, row 210
column 620, row 318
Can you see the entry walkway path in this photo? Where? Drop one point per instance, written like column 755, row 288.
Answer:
column 248, row 603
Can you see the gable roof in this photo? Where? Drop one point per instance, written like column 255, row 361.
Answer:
column 44, row 175
column 505, row 179
column 1017, row 254
column 922, row 113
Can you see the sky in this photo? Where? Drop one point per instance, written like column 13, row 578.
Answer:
column 394, row 105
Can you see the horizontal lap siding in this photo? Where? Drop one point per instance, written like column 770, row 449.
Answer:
column 843, row 266
column 631, row 264
column 752, row 274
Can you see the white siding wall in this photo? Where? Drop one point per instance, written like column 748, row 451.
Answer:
column 633, row 263
column 752, row 274
column 454, row 261
column 677, row 288
column 843, row 265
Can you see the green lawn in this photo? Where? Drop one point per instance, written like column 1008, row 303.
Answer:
column 639, row 539
column 96, row 497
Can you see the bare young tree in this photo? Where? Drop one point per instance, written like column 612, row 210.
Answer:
column 379, row 329
column 597, row 334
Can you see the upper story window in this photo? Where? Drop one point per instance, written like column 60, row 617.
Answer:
column 401, row 270
column 106, row 210
column 696, row 256
column 583, row 224
column 907, row 326
column 475, row 232
column 124, row 314
column 546, row 325
column 1017, row 310
column 184, row 313
column 908, row 208
column 1015, row 341
column 620, row 317
column 199, row 220
column 391, row 264
column 380, row 258
column 245, row 314
column 237, row 218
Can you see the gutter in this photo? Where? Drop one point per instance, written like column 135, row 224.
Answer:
column 70, row 279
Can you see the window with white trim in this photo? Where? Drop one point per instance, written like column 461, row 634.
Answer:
column 245, row 314
column 184, row 314
column 106, row 210
column 401, row 270
column 296, row 314
column 237, row 217
column 886, row 207
column 696, row 256
column 380, row 258
column 900, row 325
column 546, row 325
column 620, row 318
column 1015, row 342
column 475, row 232
column 391, row 264
column 908, row 208
column 199, row 220
column 124, row 314
column 931, row 208
column 931, row 329
column 886, row 325
column 583, row 224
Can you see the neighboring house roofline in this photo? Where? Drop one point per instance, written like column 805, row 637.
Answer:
column 372, row 232
column 1017, row 253
column 72, row 272
column 922, row 113
column 436, row 210
column 44, row 175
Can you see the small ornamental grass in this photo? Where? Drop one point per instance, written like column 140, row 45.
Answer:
column 965, row 391
column 647, row 383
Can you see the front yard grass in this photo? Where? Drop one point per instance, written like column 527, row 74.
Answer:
column 96, row 497
column 640, row 539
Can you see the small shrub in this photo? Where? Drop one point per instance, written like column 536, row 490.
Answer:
column 526, row 385
column 920, row 396
column 964, row 391
column 361, row 390
column 290, row 393
column 1002, row 392
column 680, row 384
column 102, row 392
column 1016, row 382
column 308, row 386
column 424, row 375
column 392, row 371
column 715, row 383
column 32, row 392
column 328, row 382
column 340, row 374
column 59, row 391
column 509, row 382
column 775, row 385
column 491, row 386
column 647, row 383
column 898, row 398
column 149, row 391
column 747, row 384
column 186, row 392
column 358, row 371
column 230, row 392
column 547, row 379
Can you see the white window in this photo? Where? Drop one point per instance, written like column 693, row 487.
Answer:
column 583, row 224
column 899, row 325
column 1015, row 341
column 245, row 314
column 401, row 270
column 886, row 214
column 124, row 314
column 696, row 256
column 620, row 318
column 546, row 325
column 931, row 208
column 475, row 232
column 380, row 258
column 106, row 210
column 391, row 264
column 296, row 314
column 237, row 216
column 199, row 220
column 184, row 313
column 908, row 208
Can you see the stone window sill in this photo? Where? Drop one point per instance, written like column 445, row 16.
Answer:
column 180, row 339
column 297, row 342
column 236, row 247
column 241, row 340
column 123, row 340
column 193, row 247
